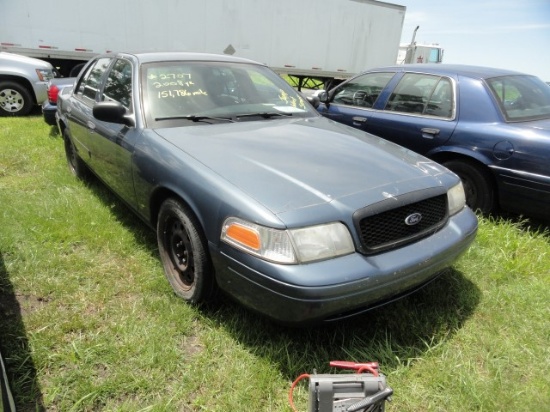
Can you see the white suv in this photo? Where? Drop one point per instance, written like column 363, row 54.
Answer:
column 23, row 83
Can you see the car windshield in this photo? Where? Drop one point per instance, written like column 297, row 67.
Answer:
column 187, row 93
column 521, row 98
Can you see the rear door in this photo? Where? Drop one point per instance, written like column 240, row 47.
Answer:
column 415, row 110
column 419, row 113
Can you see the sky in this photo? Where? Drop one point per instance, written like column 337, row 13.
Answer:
column 508, row 34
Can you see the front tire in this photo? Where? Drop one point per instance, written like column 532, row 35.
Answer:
column 75, row 163
column 183, row 252
column 15, row 100
column 478, row 186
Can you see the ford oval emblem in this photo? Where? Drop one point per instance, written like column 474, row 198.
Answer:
column 413, row 219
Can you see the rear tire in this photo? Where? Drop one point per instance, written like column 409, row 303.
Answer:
column 183, row 252
column 478, row 186
column 15, row 100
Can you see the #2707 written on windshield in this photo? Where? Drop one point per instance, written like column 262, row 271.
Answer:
column 166, row 83
column 172, row 83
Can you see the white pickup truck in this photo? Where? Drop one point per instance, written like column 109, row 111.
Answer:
column 23, row 83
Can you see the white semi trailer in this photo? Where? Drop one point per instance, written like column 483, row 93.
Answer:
column 317, row 39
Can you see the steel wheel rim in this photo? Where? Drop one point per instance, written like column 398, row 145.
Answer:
column 180, row 252
column 11, row 100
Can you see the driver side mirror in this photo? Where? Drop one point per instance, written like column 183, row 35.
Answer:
column 314, row 100
column 112, row 112
column 323, row 97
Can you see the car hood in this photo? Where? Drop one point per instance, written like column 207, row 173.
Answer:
column 17, row 59
column 291, row 164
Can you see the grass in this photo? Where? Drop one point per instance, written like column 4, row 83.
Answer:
column 88, row 321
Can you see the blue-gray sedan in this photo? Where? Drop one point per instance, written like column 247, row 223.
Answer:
column 490, row 126
column 251, row 191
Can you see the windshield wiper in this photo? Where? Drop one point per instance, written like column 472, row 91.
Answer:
column 195, row 118
column 265, row 115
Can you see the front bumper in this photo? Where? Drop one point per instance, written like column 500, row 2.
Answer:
column 336, row 288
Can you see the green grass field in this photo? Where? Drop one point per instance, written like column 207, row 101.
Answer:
column 88, row 321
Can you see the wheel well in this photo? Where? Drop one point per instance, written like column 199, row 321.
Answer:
column 62, row 127
column 22, row 82
column 445, row 157
column 158, row 198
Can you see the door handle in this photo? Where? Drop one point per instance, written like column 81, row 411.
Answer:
column 359, row 119
column 429, row 132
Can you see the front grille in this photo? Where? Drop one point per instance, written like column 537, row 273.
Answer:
column 388, row 229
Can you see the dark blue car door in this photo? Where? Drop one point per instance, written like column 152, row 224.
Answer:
column 79, row 110
column 353, row 102
column 114, row 143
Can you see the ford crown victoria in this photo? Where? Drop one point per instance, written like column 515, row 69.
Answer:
column 252, row 192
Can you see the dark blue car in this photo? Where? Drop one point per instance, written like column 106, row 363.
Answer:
column 489, row 126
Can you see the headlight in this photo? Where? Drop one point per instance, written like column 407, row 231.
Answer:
column 288, row 246
column 456, row 199
column 322, row 242
column 44, row 75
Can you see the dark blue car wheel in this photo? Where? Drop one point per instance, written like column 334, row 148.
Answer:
column 183, row 252
column 478, row 187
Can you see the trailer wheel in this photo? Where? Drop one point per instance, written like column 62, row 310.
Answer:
column 76, row 69
column 15, row 100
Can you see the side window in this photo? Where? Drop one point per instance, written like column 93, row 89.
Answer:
column 422, row 94
column 363, row 90
column 89, row 83
column 118, row 86
column 441, row 102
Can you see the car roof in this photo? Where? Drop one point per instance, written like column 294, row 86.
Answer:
column 478, row 72
column 148, row 57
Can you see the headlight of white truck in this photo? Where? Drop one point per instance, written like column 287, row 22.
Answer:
column 456, row 199
column 44, row 75
column 288, row 246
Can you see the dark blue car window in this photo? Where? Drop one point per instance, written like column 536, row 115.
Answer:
column 363, row 90
column 422, row 94
column 521, row 98
column 90, row 82
column 441, row 101
column 118, row 86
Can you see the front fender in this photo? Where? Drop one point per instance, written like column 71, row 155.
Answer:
column 61, row 112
